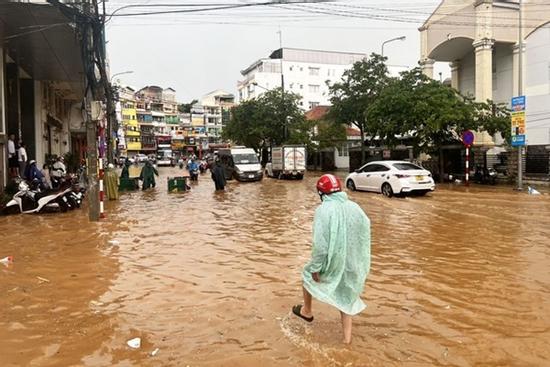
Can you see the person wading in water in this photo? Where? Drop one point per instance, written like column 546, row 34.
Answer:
column 340, row 257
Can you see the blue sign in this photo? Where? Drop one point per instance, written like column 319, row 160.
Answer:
column 518, row 140
column 468, row 138
column 518, row 104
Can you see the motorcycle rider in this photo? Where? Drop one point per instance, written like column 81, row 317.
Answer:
column 193, row 169
column 59, row 170
column 33, row 173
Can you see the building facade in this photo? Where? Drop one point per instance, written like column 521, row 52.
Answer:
column 305, row 72
column 41, row 88
column 480, row 41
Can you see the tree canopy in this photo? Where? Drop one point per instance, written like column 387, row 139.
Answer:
column 268, row 119
column 357, row 91
column 428, row 114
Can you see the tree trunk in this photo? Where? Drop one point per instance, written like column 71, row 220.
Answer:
column 363, row 148
column 441, row 165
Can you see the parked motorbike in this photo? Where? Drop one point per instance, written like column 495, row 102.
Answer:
column 33, row 200
column 484, row 175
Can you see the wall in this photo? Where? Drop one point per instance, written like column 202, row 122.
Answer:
column 537, row 86
column 503, row 77
column 467, row 75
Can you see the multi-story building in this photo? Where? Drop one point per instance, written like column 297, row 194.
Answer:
column 159, row 118
column 216, row 107
column 306, row 73
column 131, row 143
column 484, row 57
column 41, row 83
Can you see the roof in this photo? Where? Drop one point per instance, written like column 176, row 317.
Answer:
column 277, row 53
column 317, row 113
column 350, row 131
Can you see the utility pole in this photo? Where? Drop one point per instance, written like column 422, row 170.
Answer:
column 520, row 89
column 283, row 109
column 88, row 25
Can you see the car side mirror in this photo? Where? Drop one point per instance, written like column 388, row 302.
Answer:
column 357, row 171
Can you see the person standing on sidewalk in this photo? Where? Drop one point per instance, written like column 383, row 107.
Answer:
column 22, row 159
column 340, row 258
column 13, row 162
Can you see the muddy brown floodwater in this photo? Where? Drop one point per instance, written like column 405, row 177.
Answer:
column 459, row 278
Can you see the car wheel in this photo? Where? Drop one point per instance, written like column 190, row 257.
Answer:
column 351, row 185
column 387, row 190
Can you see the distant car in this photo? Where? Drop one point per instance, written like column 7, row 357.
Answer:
column 391, row 178
column 141, row 158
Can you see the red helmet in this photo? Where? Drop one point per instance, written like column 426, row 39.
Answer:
column 328, row 184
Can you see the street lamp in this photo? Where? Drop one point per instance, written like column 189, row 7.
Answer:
column 402, row 38
column 121, row 73
column 111, row 118
column 257, row 85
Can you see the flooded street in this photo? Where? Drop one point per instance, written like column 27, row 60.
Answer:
column 458, row 278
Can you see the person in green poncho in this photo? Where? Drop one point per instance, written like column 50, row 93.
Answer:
column 147, row 175
column 111, row 182
column 340, row 258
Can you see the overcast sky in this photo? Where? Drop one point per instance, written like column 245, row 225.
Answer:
column 196, row 53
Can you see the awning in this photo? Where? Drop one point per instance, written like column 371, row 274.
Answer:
column 53, row 53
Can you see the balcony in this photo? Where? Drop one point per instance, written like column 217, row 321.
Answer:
column 134, row 146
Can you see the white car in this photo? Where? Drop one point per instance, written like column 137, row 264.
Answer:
column 391, row 178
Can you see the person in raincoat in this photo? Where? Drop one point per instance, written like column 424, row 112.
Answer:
column 218, row 175
column 111, row 182
column 147, row 175
column 125, row 174
column 340, row 258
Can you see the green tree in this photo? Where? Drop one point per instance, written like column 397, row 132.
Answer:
column 186, row 107
column 357, row 91
column 270, row 119
column 422, row 110
column 495, row 119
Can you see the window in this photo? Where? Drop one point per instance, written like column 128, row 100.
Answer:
column 291, row 85
column 407, row 166
column 313, row 88
column 343, row 151
column 313, row 105
column 314, row 71
column 374, row 168
column 301, row 86
column 290, row 68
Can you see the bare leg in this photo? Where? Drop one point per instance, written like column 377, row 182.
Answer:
column 346, row 327
column 306, row 310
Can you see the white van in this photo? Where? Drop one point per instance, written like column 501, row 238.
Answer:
column 241, row 164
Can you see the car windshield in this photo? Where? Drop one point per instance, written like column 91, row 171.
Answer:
column 245, row 158
column 407, row 167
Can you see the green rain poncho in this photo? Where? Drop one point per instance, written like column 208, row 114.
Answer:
column 340, row 254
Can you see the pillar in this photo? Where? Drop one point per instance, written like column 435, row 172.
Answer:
column 515, row 70
column 427, row 66
column 3, row 133
column 455, row 74
column 484, row 69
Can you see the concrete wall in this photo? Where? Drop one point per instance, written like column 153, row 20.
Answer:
column 503, row 74
column 537, row 86
column 467, row 75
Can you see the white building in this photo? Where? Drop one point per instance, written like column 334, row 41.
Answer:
column 306, row 73
column 216, row 107
column 479, row 38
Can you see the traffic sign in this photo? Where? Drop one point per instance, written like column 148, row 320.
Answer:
column 468, row 138
column 518, row 121
column 518, row 140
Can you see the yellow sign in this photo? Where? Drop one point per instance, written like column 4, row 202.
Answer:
column 518, row 123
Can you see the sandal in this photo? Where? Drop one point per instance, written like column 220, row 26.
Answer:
column 297, row 310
